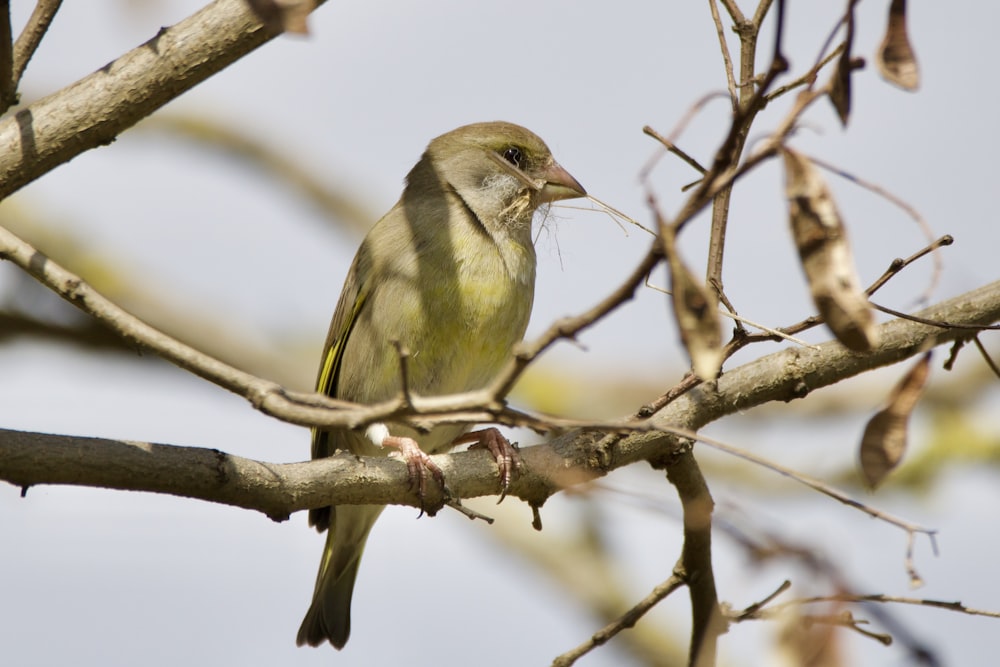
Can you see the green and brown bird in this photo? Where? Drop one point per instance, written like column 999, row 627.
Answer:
column 448, row 274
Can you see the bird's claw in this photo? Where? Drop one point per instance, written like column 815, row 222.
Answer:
column 418, row 465
column 505, row 453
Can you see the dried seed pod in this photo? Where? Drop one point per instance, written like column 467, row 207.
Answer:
column 885, row 438
column 821, row 240
column 696, row 310
column 840, row 85
column 896, row 60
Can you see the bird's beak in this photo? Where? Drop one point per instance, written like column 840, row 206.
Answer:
column 559, row 185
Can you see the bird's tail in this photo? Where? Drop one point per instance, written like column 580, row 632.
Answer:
column 329, row 615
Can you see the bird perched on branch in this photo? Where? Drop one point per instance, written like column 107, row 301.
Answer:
column 447, row 276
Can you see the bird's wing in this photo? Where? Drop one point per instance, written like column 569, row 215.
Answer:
column 324, row 442
column 352, row 301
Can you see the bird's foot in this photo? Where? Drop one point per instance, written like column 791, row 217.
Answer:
column 419, row 465
column 504, row 452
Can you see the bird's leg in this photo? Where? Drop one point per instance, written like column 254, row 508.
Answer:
column 503, row 450
column 418, row 463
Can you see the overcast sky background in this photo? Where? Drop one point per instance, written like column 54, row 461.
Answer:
column 95, row 577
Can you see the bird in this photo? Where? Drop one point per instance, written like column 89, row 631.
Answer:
column 447, row 278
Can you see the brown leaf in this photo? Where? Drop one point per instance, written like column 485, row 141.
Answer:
column 884, row 441
column 896, row 60
column 283, row 15
column 821, row 240
column 696, row 310
column 840, row 88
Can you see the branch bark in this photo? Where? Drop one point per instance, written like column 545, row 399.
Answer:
column 27, row 459
column 99, row 107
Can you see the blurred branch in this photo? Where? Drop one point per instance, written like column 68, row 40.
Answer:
column 99, row 107
column 889, row 599
column 695, row 564
column 30, row 309
column 593, row 580
column 986, row 356
column 262, row 393
column 768, row 547
column 89, row 335
column 624, row 622
column 281, row 166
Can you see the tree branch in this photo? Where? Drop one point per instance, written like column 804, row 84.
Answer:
column 623, row 622
column 99, row 107
column 581, row 455
column 29, row 39
column 695, row 563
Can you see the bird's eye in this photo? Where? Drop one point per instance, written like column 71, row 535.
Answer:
column 513, row 155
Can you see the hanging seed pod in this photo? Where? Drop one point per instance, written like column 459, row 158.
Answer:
column 896, row 60
column 696, row 310
column 840, row 84
column 885, row 438
column 821, row 240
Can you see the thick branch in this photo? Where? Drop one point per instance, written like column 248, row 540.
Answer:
column 99, row 107
column 278, row 489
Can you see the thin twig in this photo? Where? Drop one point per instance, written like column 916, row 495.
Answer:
column 679, row 127
column 471, row 514
column 625, row 621
column 673, row 148
column 734, row 11
column 812, row 483
column 894, row 268
column 29, row 39
column 808, row 78
column 687, row 383
column 727, row 312
column 986, row 356
column 890, row 599
column 761, row 11
column 847, row 620
column 569, row 327
column 935, row 323
column 755, row 607
column 820, row 57
column 750, row 103
column 727, row 59
column 899, row 264
column 900, row 203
